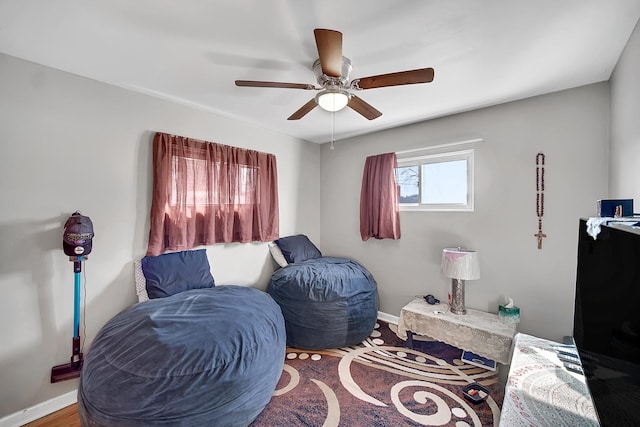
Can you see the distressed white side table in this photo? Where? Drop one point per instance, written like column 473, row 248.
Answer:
column 484, row 334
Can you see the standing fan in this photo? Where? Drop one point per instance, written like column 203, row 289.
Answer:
column 77, row 243
column 332, row 74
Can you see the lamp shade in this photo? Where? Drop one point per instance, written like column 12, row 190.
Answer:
column 332, row 99
column 460, row 263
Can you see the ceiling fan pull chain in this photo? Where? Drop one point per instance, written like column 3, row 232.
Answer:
column 333, row 130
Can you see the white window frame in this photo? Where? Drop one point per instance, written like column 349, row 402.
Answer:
column 467, row 155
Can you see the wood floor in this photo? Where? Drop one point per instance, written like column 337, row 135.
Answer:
column 65, row 417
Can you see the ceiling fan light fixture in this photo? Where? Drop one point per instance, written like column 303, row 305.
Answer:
column 332, row 99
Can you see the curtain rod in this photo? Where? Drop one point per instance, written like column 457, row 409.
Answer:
column 448, row 144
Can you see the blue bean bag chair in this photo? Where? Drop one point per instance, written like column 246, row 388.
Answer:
column 200, row 357
column 326, row 302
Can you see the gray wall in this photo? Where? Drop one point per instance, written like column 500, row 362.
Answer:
column 624, row 174
column 70, row 143
column 570, row 127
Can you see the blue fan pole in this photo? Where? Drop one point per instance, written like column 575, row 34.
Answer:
column 77, row 268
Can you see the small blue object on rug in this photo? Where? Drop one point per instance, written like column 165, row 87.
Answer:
column 477, row 360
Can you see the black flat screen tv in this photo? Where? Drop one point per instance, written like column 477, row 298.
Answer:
column 606, row 325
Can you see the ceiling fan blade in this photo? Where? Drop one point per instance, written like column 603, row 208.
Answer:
column 329, row 43
column 422, row 75
column 364, row 108
column 302, row 111
column 255, row 83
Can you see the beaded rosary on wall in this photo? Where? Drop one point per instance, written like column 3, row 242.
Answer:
column 540, row 196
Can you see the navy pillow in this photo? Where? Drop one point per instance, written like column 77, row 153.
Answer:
column 172, row 273
column 297, row 248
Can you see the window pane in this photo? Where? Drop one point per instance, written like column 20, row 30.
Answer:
column 409, row 182
column 445, row 182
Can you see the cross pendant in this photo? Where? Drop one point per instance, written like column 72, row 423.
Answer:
column 540, row 235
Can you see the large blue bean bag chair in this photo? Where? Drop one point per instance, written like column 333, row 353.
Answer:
column 326, row 302
column 200, row 357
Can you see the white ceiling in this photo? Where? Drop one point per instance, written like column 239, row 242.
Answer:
column 484, row 52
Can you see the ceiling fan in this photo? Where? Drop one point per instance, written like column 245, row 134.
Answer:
column 332, row 73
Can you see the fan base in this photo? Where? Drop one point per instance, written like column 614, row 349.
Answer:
column 324, row 80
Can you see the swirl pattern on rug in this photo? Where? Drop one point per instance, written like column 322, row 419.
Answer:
column 381, row 383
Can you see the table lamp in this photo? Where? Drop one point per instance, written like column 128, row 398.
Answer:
column 460, row 265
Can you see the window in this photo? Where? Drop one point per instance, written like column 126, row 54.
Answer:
column 437, row 182
column 245, row 191
column 206, row 193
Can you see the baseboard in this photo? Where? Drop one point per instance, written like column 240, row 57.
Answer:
column 388, row 318
column 40, row 410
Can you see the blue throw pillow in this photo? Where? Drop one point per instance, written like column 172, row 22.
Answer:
column 298, row 248
column 171, row 273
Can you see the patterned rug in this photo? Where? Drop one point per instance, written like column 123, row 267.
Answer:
column 381, row 383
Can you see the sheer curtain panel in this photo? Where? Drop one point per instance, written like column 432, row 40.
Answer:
column 206, row 193
column 379, row 206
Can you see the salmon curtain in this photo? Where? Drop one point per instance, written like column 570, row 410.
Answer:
column 379, row 206
column 206, row 193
